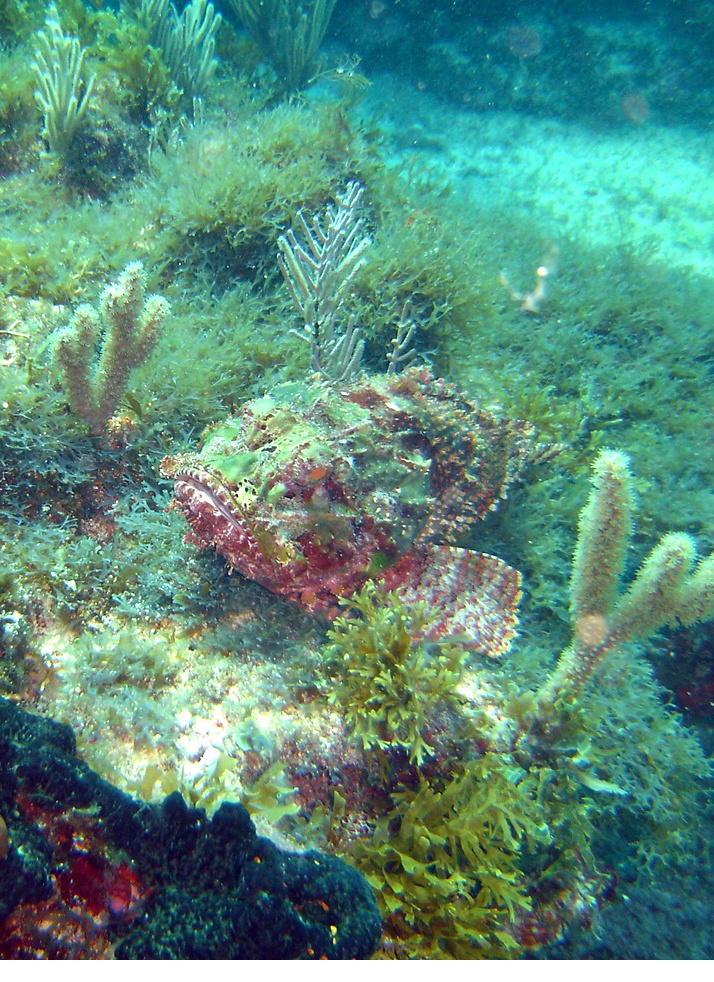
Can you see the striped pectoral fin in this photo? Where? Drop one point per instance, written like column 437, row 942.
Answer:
column 473, row 597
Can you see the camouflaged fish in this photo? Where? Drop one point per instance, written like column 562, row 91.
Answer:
column 312, row 490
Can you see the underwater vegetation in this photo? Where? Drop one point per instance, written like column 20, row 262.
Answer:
column 129, row 326
column 244, row 362
column 289, row 32
column 493, row 810
column 485, row 844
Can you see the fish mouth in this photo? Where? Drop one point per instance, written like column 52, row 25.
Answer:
column 291, row 555
column 201, row 488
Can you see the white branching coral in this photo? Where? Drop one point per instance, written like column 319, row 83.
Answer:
column 318, row 272
column 63, row 92
column 187, row 42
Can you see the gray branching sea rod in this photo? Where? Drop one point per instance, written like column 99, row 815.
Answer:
column 672, row 587
column 127, row 326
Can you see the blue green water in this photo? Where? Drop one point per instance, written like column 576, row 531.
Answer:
column 537, row 202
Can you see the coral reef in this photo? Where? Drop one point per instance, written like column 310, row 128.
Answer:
column 493, row 803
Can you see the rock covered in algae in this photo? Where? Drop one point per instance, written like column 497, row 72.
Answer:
column 91, row 872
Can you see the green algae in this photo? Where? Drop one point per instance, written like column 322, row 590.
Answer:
column 446, row 861
column 389, row 684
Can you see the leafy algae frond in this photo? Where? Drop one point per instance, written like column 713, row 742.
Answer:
column 390, row 682
column 446, row 862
